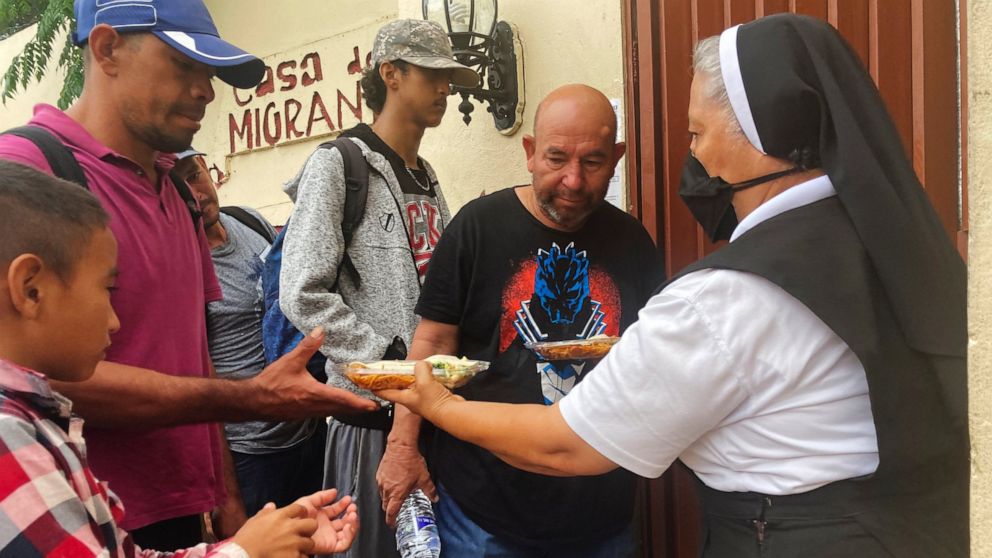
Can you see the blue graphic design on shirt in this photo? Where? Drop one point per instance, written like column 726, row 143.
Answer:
column 555, row 312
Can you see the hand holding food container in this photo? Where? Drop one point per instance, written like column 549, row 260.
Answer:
column 452, row 372
column 421, row 386
column 417, row 388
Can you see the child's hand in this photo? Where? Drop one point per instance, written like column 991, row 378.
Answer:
column 278, row 533
column 337, row 522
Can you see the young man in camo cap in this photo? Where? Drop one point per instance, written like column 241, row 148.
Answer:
column 371, row 318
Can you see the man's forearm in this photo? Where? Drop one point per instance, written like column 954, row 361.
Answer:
column 130, row 397
column 229, row 515
column 425, row 343
column 126, row 396
column 406, row 427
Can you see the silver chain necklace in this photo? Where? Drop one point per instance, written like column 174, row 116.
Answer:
column 419, row 183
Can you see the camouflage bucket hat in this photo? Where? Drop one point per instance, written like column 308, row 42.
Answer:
column 421, row 43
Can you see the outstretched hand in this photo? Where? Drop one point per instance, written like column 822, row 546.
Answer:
column 426, row 397
column 337, row 522
column 287, row 391
column 278, row 532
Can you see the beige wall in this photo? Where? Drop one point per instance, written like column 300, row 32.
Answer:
column 561, row 45
column 295, row 36
column 980, row 270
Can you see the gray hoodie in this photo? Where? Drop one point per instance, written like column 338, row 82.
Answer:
column 360, row 322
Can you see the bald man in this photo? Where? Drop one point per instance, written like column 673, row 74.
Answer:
column 549, row 261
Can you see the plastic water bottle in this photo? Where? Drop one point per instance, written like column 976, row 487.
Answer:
column 416, row 531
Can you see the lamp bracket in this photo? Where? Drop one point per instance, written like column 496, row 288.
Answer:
column 503, row 76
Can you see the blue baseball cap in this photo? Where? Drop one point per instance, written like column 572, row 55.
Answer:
column 186, row 154
column 182, row 24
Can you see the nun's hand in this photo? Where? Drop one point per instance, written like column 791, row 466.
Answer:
column 426, row 397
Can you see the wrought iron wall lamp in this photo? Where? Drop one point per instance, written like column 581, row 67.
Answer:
column 490, row 47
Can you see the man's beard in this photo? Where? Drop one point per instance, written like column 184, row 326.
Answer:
column 153, row 136
column 549, row 210
column 162, row 142
column 546, row 203
column 211, row 221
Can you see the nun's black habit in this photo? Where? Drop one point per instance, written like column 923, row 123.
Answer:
column 876, row 266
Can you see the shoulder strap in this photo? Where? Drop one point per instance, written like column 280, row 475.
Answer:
column 187, row 196
column 65, row 166
column 356, row 181
column 247, row 219
column 63, row 163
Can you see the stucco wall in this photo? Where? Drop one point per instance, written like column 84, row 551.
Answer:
column 980, row 270
column 561, row 45
column 314, row 42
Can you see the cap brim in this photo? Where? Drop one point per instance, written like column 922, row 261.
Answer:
column 462, row 76
column 188, row 153
column 234, row 66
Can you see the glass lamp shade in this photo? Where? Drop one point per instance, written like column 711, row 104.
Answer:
column 492, row 48
column 462, row 16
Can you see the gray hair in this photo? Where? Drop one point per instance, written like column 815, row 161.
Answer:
column 706, row 62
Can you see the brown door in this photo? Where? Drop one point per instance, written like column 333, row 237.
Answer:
column 910, row 49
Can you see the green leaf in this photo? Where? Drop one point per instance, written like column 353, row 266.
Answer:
column 53, row 17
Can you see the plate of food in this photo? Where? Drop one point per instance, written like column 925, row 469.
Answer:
column 450, row 371
column 579, row 349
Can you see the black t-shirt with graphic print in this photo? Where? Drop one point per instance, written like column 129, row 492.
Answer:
column 421, row 210
column 504, row 278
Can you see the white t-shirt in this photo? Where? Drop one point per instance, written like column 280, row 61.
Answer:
column 740, row 380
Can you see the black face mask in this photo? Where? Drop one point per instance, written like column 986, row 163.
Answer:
column 709, row 197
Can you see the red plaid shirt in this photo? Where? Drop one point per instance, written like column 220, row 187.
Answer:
column 50, row 503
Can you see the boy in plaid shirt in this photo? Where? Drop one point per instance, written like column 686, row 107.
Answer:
column 57, row 269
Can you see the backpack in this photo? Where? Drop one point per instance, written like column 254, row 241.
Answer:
column 250, row 221
column 279, row 335
column 65, row 166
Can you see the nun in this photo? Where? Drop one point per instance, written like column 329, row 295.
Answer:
column 811, row 373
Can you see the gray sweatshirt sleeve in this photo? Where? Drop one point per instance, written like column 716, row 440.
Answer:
column 312, row 252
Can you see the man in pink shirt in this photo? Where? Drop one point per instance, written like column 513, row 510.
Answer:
column 148, row 79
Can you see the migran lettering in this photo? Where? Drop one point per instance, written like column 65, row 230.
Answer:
column 301, row 115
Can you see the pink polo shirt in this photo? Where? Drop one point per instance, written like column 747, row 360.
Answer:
column 166, row 279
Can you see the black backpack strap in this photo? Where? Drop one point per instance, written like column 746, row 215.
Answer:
column 247, row 219
column 63, row 163
column 65, row 166
column 187, row 196
column 356, row 182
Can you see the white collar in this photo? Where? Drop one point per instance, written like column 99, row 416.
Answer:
column 799, row 195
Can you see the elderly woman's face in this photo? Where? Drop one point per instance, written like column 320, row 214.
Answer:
column 715, row 142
